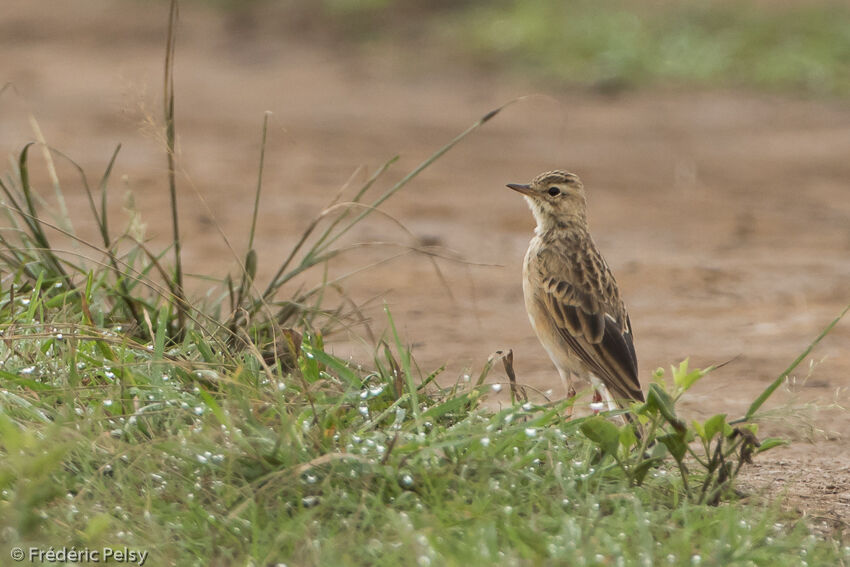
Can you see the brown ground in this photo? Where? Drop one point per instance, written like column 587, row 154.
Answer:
column 725, row 215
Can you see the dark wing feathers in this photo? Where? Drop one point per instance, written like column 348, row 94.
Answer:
column 592, row 325
column 618, row 349
column 582, row 299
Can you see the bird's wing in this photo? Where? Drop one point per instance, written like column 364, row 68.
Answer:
column 580, row 296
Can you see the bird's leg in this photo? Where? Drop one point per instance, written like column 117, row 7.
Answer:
column 597, row 398
column 566, row 379
column 567, row 382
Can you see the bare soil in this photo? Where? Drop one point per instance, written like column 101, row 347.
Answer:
column 724, row 215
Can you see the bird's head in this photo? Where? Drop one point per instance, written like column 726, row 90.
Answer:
column 556, row 198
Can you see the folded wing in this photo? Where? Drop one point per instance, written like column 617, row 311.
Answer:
column 580, row 296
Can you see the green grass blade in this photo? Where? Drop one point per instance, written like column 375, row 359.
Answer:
column 366, row 186
column 33, row 221
column 35, row 298
column 410, row 176
column 170, row 139
column 104, row 217
column 259, row 181
column 215, row 408
column 754, row 407
column 404, row 353
column 341, row 368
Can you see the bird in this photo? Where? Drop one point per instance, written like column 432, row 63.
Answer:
column 572, row 299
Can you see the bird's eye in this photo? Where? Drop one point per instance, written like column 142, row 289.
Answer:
column 554, row 191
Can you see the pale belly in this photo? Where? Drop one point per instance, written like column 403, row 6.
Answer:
column 546, row 333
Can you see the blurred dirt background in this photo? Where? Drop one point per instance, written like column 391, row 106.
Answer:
column 725, row 214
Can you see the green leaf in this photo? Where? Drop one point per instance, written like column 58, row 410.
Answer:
column 25, row 382
column 675, row 443
column 700, row 429
column 714, row 425
column 404, row 354
column 341, row 368
column 628, row 439
column 251, row 264
column 603, row 433
column 307, row 362
column 203, row 346
column 659, row 451
column 681, row 371
column 658, row 399
column 34, row 298
column 453, row 404
column 160, row 334
column 685, row 379
column 216, row 410
column 639, row 471
column 770, row 443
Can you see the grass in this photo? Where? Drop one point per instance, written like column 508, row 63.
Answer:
column 224, row 433
column 801, row 47
column 216, row 460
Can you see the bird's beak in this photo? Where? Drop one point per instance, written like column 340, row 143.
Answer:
column 524, row 189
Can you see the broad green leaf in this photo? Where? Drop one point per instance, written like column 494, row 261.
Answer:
column 603, row 433
column 659, row 451
column 700, row 429
column 639, row 472
column 714, row 425
column 628, row 439
column 675, row 444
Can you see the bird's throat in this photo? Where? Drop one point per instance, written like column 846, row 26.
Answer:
column 547, row 221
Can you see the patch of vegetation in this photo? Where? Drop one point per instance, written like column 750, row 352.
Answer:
column 205, row 458
column 801, row 46
column 224, row 432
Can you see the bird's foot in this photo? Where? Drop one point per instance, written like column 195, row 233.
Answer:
column 571, row 395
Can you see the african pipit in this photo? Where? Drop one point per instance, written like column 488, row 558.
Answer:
column 572, row 299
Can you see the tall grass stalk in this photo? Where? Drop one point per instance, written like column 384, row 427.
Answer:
column 759, row 401
column 170, row 140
